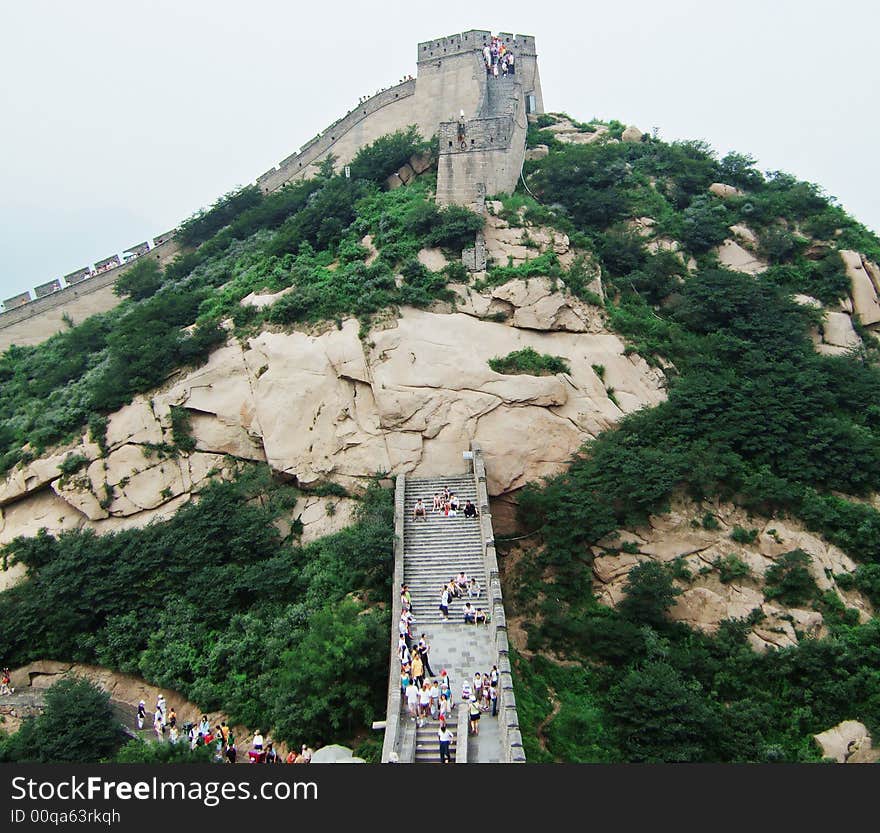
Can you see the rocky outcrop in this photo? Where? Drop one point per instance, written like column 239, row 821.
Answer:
column 838, row 334
column 725, row 192
column 513, row 245
column 706, row 600
column 848, row 742
column 862, row 288
column 632, row 134
column 733, row 256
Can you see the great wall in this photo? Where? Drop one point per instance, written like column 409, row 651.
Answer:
column 480, row 121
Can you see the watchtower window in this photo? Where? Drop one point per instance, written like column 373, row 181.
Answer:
column 531, row 105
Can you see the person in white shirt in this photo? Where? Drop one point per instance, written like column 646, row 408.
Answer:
column 258, row 740
column 445, row 737
column 412, row 699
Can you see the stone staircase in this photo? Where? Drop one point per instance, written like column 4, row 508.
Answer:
column 428, row 744
column 439, row 548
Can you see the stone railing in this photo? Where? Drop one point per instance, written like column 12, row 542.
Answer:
column 392, row 713
column 462, row 735
column 508, row 720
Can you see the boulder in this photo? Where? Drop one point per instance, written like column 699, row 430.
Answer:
column 836, row 742
column 421, row 162
column 733, row 256
column 537, row 152
column 719, row 189
column 837, row 330
column 406, row 174
column 259, row 301
column 432, row 259
column 807, row 301
column 864, row 296
column 632, row 134
column 744, row 234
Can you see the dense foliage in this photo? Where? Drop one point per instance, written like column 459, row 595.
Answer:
column 216, row 606
column 78, row 725
column 753, row 415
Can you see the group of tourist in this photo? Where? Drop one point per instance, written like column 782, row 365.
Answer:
column 6, row 682
column 498, row 58
column 221, row 737
column 427, row 695
column 445, row 503
column 364, row 98
column 458, row 587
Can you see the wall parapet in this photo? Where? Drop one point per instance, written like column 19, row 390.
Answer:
column 470, row 41
column 391, row 741
column 508, row 724
column 324, row 141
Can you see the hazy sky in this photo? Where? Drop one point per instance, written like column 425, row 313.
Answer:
column 122, row 117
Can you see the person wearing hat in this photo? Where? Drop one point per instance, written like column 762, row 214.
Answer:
column 141, row 714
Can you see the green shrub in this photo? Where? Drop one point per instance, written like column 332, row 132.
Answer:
column 72, row 463
column 181, row 430
column 744, row 536
column 377, row 161
column 529, row 361
column 790, row 581
column 141, row 281
column 732, row 568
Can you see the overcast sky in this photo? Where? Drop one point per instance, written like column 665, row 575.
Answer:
column 122, row 117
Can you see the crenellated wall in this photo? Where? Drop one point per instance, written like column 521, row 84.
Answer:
column 451, row 81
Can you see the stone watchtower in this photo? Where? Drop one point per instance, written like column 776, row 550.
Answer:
column 482, row 142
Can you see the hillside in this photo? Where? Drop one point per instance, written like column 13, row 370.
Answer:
column 670, row 366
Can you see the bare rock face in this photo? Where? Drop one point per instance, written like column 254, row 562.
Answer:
column 837, row 331
column 864, row 294
column 259, row 301
column 705, row 600
column 432, row 259
column 330, row 406
column 847, row 742
column 537, row 152
column 735, row 257
column 719, row 189
column 632, row 134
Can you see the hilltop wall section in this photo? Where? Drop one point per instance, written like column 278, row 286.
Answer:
column 451, row 84
column 34, row 322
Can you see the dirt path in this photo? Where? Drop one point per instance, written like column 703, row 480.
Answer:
column 547, row 720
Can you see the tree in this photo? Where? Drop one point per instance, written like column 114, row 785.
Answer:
column 334, row 678
column 649, row 594
column 141, row 281
column 659, row 716
column 77, row 726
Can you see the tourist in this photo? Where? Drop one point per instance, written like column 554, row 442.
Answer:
column 511, row 64
column 307, row 753
column 465, row 692
column 405, row 681
column 462, row 582
column 291, row 757
column 486, row 694
column 403, row 651
column 231, row 752
column 493, row 697
column 444, row 707
column 418, row 670
column 271, row 754
column 477, row 688
column 453, row 502
column 493, row 675
column 445, row 737
column 258, row 741
column 446, row 687
column 438, row 505
column 141, row 714
column 444, row 601
column 6, row 683
column 405, row 598
column 419, row 511
column 470, row 511
column 159, row 725
column 474, row 714
column 412, row 700
column 454, row 592
column 424, row 649
column 473, row 589
column 205, row 727
column 424, row 703
column 481, row 617
column 435, row 699
column 470, row 617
